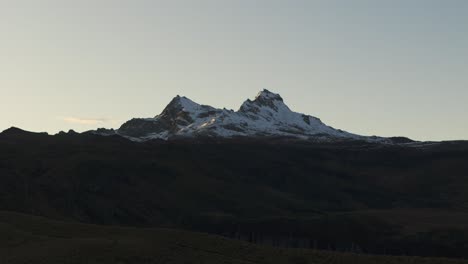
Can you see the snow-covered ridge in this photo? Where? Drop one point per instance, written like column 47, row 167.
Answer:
column 265, row 116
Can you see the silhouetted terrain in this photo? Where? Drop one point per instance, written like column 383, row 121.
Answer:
column 351, row 196
column 25, row 239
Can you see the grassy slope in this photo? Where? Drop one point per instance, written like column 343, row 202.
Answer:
column 30, row 239
column 399, row 200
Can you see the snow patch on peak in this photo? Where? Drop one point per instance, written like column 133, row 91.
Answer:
column 266, row 115
column 183, row 103
column 188, row 105
column 182, row 106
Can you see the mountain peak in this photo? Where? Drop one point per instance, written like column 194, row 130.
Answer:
column 181, row 104
column 267, row 95
column 266, row 99
column 185, row 103
column 266, row 115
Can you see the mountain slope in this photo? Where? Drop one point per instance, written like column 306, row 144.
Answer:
column 246, row 189
column 266, row 116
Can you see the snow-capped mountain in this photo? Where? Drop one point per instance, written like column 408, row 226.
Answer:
column 265, row 116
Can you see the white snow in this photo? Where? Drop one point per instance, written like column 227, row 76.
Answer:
column 267, row 115
column 189, row 105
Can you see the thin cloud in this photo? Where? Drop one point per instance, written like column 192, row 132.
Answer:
column 86, row 121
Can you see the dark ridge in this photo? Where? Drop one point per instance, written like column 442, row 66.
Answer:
column 276, row 191
column 401, row 140
column 14, row 131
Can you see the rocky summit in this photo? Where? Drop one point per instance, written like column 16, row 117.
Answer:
column 265, row 116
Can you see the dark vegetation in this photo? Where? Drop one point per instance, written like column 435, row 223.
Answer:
column 348, row 196
column 26, row 239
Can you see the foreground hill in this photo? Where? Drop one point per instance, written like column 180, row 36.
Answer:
column 27, row 239
column 351, row 196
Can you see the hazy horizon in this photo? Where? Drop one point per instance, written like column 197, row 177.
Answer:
column 394, row 68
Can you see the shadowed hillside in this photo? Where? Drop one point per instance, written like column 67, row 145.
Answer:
column 27, row 239
column 349, row 196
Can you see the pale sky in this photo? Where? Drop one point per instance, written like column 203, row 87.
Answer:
column 387, row 68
